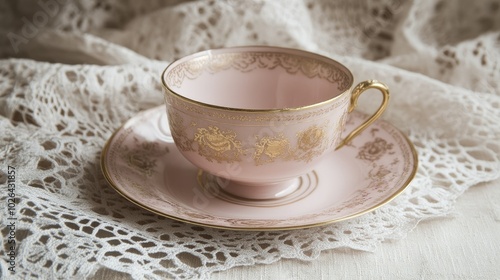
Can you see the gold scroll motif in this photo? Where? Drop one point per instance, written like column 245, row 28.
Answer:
column 374, row 150
column 216, row 144
column 182, row 141
column 248, row 61
column 142, row 156
column 311, row 142
column 201, row 111
column 268, row 149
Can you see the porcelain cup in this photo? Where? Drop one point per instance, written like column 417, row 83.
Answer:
column 258, row 118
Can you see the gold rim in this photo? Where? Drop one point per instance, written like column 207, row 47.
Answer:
column 108, row 178
column 257, row 49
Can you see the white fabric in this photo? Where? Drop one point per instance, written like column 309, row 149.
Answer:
column 83, row 68
column 463, row 246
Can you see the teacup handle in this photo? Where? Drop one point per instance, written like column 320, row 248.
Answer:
column 356, row 92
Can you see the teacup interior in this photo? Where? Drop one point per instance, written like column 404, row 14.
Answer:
column 258, row 81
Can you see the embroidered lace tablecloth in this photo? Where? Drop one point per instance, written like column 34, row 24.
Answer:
column 73, row 72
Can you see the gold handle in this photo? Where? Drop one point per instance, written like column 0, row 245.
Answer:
column 356, row 92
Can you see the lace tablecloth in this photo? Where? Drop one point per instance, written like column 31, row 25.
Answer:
column 73, row 72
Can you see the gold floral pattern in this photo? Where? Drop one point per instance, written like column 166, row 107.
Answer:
column 268, row 149
column 378, row 174
column 384, row 180
column 311, row 143
column 218, row 145
column 374, row 150
column 181, row 139
column 248, row 61
column 200, row 111
column 311, row 138
column 142, row 157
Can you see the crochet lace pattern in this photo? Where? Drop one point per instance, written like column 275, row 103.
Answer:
column 72, row 73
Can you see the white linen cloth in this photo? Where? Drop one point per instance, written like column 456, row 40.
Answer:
column 73, row 72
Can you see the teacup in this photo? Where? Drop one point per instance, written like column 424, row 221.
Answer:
column 260, row 117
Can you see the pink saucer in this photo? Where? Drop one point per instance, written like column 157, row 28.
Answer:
column 143, row 164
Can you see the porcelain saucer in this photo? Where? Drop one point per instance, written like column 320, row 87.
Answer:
column 141, row 162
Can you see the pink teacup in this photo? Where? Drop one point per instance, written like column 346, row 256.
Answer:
column 259, row 117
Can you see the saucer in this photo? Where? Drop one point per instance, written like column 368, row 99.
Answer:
column 141, row 162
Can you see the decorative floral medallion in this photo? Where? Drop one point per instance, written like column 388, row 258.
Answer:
column 218, row 145
column 311, row 143
column 268, row 149
column 373, row 150
column 140, row 157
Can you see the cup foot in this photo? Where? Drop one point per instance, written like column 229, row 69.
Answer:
column 289, row 192
column 266, row 191
column 250, row 190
